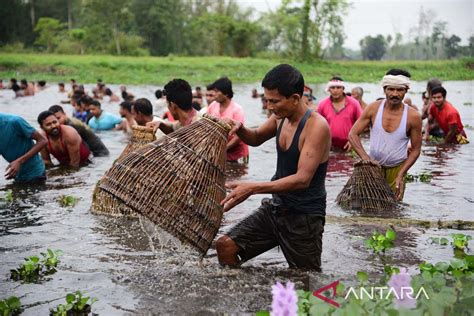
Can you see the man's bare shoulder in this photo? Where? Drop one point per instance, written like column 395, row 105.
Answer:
column 373, row 107
column 413, row 113
column 318, row 122
column 69, row 132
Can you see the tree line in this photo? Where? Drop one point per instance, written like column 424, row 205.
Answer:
column 304, row 29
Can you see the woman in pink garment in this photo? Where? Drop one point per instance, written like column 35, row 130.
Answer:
column 225, row 107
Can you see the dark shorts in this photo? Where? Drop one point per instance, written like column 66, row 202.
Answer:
column 300, row 236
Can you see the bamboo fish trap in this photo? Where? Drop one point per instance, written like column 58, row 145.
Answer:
column 367, row 190
column 105, row 203
column 177, row 182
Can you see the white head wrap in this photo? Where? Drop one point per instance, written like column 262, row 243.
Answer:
column 335, row 83
column 395, row 81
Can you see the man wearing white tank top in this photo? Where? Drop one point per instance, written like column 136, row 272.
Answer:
column 393, row 124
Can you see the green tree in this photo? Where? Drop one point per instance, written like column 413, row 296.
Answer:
column 112, row 17
column 78, row 36
column 373, row 48
column 48, row 30
column 452, row 46
column 308, row 30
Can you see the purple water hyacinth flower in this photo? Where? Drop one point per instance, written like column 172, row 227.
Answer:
column 402, row 298
column 285, row 300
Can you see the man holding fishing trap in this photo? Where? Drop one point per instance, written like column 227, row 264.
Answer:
column 294, row 217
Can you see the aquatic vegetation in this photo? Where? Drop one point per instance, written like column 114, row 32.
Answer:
column 436, row 139
column 468, row 103
column 389, row 270
column 10, row 306
column 456, row 267
column 439, row 241
column 379, row 242
column 67, row 200
column 35, row 267
column 460, row 241
column 76, row 304
column 285, row 299
column 8, row 197
column 424, row 177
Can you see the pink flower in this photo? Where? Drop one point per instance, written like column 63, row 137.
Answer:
column 401, row 284
column 285, row 300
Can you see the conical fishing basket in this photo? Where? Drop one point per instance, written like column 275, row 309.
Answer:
column 367, row 190
column 105, row 203
column 177, row 182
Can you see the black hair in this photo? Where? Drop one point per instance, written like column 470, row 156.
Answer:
column 42, row 83
column 108, row 91
column 209, row 87
column 180, row 93
column 127, row 105
column 95, row 103
column 336, row 78
column 286, row 79
column 23, row 81
column 198, row 88
column 433, row 83
column 349, row 94
column 397, row 72
column 73, row 80
column 16, row 87
column 124, row 94
column 56, row 109
column 84, row 99
column 224, row 85
column 361, row 91
column 13, row 80
column 196, row 106
column 423, row 95
column 43, row 116
column 439, row 89
column 61, row 84
column 143, row 106
column 158, row 93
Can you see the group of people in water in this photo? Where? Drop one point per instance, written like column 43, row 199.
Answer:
column 294, row 217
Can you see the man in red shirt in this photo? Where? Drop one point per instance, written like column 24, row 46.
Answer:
column 447, row 117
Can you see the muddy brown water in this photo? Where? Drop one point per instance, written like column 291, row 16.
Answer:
column 110, row 259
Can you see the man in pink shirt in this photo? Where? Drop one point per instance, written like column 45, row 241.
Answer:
column 340, row 111
column 224, row 107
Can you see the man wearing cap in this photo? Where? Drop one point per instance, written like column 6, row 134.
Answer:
column 225, row 107
column 393, row 124
column 341, row 112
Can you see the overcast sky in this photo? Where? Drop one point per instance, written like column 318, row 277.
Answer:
column 372, row 17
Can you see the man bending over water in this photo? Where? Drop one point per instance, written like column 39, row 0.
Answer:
column 64, row 142
column 294, row 217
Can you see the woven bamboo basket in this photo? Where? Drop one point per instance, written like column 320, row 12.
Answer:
column 105, row 203
column 367, row 190
column 177, row 182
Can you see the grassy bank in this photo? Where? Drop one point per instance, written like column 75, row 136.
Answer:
column 201, row 70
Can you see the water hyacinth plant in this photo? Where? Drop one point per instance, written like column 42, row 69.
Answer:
column 460, row 241
column 76, row 304
column 379, row 243
column 399, row 281
column 35, row 267
column 67, row 200
column 10, row 306
column 8, row 196
column 285, row 300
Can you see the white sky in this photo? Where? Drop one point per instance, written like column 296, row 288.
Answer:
column 372, row 17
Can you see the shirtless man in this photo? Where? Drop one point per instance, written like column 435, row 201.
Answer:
column 64, row 142
column 294, row 218
column 392, row 124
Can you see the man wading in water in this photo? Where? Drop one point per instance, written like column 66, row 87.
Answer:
column 392, row 124
column 294, row 218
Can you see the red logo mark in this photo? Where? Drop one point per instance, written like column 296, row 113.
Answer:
column 332, row 286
